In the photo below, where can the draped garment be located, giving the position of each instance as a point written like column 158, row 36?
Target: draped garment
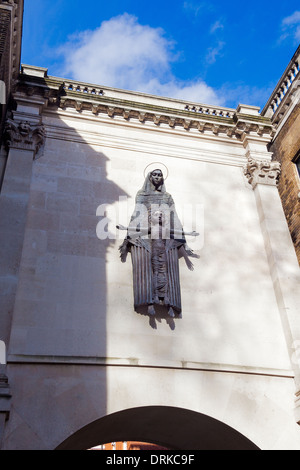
column 143, row 275
column 155, row 261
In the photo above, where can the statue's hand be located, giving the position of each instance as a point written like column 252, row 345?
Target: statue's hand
column 190, row 252
column 121, row 227
column 123, row 251
column 189, row 264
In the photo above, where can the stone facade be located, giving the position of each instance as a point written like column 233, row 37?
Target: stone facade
column 74, row 340
column 83, row 368
column 284, row 109
column 11, row 17
column 286, row 149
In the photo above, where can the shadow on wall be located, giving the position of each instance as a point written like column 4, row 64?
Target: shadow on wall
column 63, row 276
column 160, row 316
column 60, row 307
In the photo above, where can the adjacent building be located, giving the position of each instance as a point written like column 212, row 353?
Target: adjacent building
column 284, row 109
column 11, row 19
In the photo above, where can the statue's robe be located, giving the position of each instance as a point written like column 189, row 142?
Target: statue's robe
column 144, row 292
column 142, row 248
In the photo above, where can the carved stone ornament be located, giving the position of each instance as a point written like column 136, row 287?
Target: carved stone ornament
column 24, row 135
column 156, row 241
column 262, row 172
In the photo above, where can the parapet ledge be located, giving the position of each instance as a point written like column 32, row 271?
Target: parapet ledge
column 249, row 110
column 34, row 71
column 142, row 108
column 284, row 98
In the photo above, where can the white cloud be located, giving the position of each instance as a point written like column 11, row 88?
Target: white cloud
column 125, row 54
column 218, row 25
column 215, row 52
column 241, row 93
column 290, row 26
column 197, row 91
column 119, row 51
column 195, row 7
column 293, row 19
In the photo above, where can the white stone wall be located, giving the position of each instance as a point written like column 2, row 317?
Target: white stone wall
column 72, row 283
column 227, row 356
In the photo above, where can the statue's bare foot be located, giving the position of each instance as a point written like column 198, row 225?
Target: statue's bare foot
column 151, row 310
column 171, row 312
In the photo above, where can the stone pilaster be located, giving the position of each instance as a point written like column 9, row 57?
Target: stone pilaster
column 24, row 136
column 284, row 267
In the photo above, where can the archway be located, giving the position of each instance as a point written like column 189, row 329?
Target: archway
column 174, row 428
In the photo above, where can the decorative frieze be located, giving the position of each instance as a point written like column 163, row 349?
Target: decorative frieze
column 213, row 125
column 146, row 110
column 262, row 172
column 24, row 135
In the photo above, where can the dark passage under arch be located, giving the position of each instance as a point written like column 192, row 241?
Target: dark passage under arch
column 174, row 428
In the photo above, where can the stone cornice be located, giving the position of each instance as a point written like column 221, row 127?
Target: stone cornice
column 145, row 109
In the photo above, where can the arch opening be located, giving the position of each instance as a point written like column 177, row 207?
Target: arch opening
column 172, row 428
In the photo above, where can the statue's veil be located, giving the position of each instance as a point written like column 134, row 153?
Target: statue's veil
column 149, row 187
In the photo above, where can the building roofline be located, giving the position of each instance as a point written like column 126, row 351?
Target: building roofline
column 283, row 85
column 121, row 93
column 144, row 108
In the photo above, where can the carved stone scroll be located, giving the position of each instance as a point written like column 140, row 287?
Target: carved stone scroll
column 24, row 135
column 262, row 172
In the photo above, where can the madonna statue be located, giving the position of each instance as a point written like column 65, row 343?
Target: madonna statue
column 156, row 240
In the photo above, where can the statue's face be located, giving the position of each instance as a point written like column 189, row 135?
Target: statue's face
column 157, row 177
column 157, row 217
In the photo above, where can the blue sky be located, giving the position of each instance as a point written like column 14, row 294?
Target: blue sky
column 211, row 52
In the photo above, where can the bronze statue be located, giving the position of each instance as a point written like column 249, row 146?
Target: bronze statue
column 156, row 240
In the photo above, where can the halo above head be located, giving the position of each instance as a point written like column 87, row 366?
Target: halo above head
column 157, row 166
